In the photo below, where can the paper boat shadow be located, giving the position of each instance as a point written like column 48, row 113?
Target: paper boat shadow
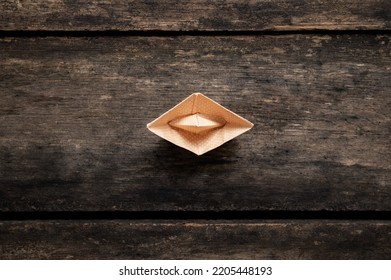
column 166, row 153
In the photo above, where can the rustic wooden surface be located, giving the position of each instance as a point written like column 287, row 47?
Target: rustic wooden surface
column 77, row 162
column 74, row 110
column 195, row 240
column 192, row 15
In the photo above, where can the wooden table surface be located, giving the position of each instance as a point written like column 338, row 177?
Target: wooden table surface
column 82, row 178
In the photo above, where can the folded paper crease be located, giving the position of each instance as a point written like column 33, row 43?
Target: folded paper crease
column 199, row 124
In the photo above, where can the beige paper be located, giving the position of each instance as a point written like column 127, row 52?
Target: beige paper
column 199, row 124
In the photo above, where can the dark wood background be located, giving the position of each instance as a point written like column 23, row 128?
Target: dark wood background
column 82, row 178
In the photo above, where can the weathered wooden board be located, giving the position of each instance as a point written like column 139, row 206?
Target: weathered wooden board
column 73, row 113
column 193, row 15
column 194, row 240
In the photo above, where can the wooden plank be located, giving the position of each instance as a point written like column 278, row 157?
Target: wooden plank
column 172, row 15
column 73, row 113
column 221, row 240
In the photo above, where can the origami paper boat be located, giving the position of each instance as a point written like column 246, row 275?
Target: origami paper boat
column 199, row 124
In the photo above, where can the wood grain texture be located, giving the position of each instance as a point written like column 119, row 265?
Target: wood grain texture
column 172, row 15
column 73, row 113
column 194, row 240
